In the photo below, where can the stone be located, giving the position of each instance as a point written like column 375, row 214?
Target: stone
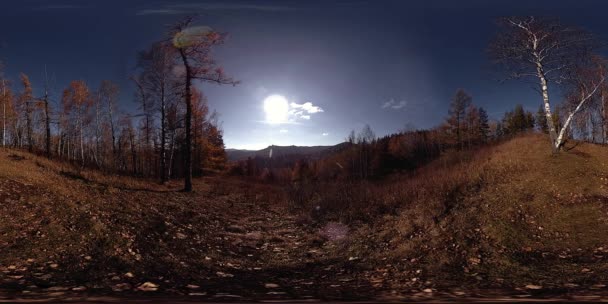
column 271, row 285
column 148, row 286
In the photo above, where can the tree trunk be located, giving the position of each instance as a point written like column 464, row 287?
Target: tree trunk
column 47, row 122
column 81, row 142
column 163, row 158
column 188, row 148
column 545, row 93
column 3, row 114
column 604, row 120
column 28, row 125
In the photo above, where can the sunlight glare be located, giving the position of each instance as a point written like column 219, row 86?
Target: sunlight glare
column 276, row 108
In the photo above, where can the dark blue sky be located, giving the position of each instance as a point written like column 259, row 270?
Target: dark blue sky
column 385, row 63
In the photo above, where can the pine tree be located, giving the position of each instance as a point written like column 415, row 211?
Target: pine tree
column 541, row 120
column 484, row 126
column 458, row 106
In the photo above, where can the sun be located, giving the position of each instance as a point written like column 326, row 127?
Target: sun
column 276, row 108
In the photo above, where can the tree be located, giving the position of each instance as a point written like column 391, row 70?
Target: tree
column 548, row 51
column 158, row 79
column 47, row 117
column 194, row 45
column 541, row 120
column 27, row 103
column 147, row 105
column 472, row 123
column 484, row 126
column 458, row 106
column 76, row 104
column 108, row 94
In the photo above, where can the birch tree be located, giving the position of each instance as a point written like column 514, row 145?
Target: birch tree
column 549, row 53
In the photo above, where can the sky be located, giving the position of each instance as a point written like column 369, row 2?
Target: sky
column 329, row 66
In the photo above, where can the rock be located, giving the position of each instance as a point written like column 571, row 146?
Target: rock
column 427, row 290
column 79, row 288
column 88, row 258
column 224, row 275
column 197, row 294
column 148, row 286
column 235, row 229
column 129, row 275
column 192, row 286
column 271, row 285
column 121, row 287
column 533, row 287
column 54, row 265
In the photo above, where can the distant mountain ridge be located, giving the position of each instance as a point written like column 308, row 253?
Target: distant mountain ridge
column 312, row 152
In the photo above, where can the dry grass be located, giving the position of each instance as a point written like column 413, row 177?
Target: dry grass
column 503, row 216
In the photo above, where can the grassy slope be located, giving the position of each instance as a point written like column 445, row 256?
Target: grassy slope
column 510, row 216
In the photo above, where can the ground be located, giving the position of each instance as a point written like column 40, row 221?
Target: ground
column 510, row 221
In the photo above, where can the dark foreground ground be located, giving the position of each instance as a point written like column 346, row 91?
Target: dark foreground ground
column 502, row 232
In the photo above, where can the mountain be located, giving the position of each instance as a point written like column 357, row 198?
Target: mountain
column 291, row 152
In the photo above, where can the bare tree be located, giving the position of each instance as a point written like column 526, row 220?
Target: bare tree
column 549, row 52
column 27, row 100
column 158, row 79
column 586, row 81
column 47, row 116
column 108, row 94
column 194, row 45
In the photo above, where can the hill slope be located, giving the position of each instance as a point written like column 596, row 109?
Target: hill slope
column 508, row 219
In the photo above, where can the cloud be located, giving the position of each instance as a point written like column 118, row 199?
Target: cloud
column 190, row 8
column 307, row 107
column 325, row 134
column 283, row 131
column 302, row 111
column 392, row 104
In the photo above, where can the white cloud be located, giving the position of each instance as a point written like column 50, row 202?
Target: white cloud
column 303, row 111
column 283, row 131
column 325, row 134
column 394, row 104
column 307, row 107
